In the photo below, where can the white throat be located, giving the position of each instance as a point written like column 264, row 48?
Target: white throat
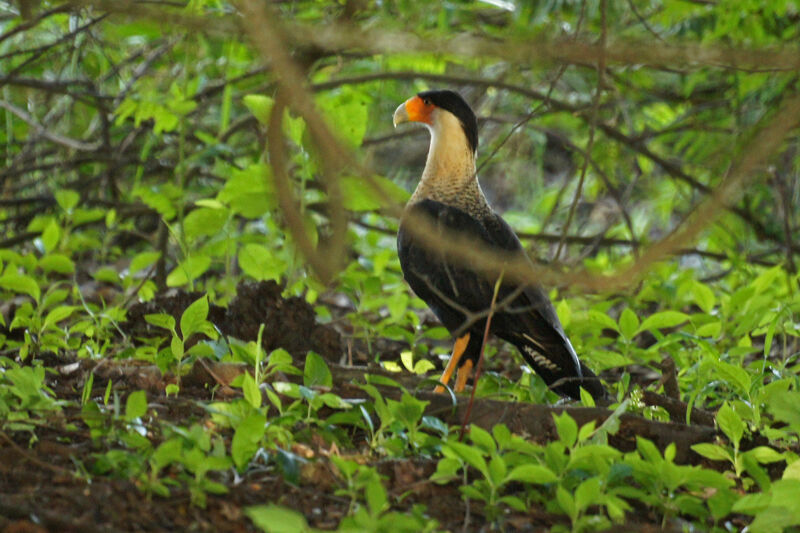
column 450, row 172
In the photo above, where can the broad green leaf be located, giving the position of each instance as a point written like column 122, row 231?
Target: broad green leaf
column 566, row 501
column 766, row 455
column 481, row 437
column 730, row 423
column 260, row 106
column 375, row 494
column 587, row 493
column 531, row 473
column 188, row 270
column 712, row 451
column 67, row 199
column 167, row 452
column 564, row 313
column 369, row 194
column 50, row 236
column 602, row 320
column 58, row 263
column 161, row 320
column 204, row 221
column 471, row 455
column 316, row 372
column 247, row 439
column 628, row 323
column 735, row 376
column 249, row 191
column 251, row 391
column 346, row 111
column 22, row 284
column 177, row 348
column 261, row 263
column 703, row 296
column 194, row 317
column 792, row 471
column 497, row 470
column 58, row 314
column 136, row 405
column 277, row 519
column 663, row 319
column 567, row 428
column 143, row 260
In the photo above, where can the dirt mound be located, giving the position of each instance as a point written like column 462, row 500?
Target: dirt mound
column 289, row 323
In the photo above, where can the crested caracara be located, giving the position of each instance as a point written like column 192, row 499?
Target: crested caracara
column 451, row 198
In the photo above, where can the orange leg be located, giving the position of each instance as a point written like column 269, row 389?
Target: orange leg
column 458, row 350
column 463, row 375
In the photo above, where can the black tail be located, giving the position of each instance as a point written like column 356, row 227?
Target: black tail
column 556, row 366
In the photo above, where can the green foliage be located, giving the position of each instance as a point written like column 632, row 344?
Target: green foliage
column 193, row 320
column 139, row 163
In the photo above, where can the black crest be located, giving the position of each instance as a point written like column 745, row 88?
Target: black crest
column 453, row 102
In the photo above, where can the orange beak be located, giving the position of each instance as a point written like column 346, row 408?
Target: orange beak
column 413, row 110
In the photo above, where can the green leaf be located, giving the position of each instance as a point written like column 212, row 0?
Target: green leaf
column 276, row 519
column 567, row 428
column 369, row 194
column 792, row 471
column 766, row 455
column 664, row 319
column 603, row 320
column 346, row 111
column 730, row 423
column 712, row 451
column 703, row 296
column 136, row 405
column 50, row 236
column 628, row 323
column 260, row 106
column 249, row 191
column 261, row 263
column 58, row 314
column 143, row 260
column 565, row 501
column 247, row 438
column 22, row 284
column 471, row 455
column 564, row 313
column 587, row 493
column 194, row 317
column 497, row 470
column 204, row 221
column 167, row 452
column 375, row 495
column 531, row 473
column 176, row 346
column 188, row 270
column 446, row 470
column 161, row 320
column 251, row 391
column 58, row 263
column 481, row 437
column 316, row 372
column 407, row 358
column 734, row 375
column 67, row 199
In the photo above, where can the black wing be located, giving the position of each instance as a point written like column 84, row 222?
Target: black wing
column 460, row 296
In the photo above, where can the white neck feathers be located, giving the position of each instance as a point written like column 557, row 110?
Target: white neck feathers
column 450, row 172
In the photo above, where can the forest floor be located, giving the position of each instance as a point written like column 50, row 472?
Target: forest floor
column 45, row 484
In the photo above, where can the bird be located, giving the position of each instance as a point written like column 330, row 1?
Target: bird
column 459, row 293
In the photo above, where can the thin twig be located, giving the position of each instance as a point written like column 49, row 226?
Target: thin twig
column 478, row 366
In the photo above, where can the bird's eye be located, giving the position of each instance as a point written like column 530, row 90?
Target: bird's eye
column 426, row 101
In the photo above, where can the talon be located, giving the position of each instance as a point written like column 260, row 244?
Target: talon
column 464, row 372
column 458, row 350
